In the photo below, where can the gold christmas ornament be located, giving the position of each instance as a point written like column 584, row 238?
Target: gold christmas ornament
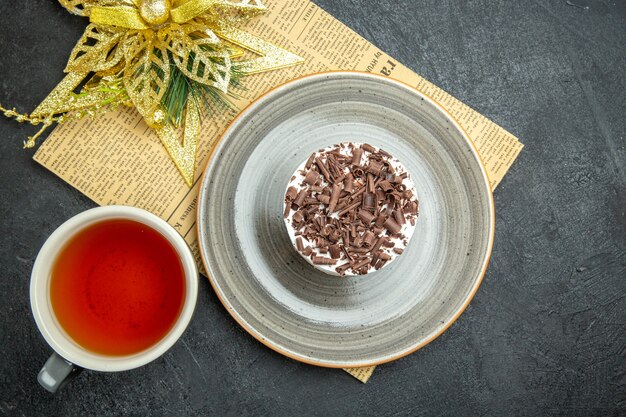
column 140, row 51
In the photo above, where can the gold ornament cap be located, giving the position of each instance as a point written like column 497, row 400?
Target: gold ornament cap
column 155, row 12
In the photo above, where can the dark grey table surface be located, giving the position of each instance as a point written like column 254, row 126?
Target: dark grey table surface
column 545, row 334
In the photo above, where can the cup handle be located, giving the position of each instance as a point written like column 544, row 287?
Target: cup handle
column 57, row 372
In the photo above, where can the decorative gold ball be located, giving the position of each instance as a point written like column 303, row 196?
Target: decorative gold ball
column 155, row 12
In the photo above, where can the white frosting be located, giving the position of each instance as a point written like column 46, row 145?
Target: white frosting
column 406, row 231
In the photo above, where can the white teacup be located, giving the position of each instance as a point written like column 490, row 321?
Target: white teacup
column 69, row 356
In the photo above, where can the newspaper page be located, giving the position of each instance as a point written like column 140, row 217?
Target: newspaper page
column 115, row 158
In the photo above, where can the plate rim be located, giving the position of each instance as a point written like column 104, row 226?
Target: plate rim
column 329, row 364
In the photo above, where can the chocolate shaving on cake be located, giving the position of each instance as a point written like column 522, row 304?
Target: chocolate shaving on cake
column 392, row 226
column 298, row 217
column 291, row 193
column 334, row 197
column 369, row 201
column 300, row 198
column 369, row 148
column 322, row 260
column 309, row 161
column 366, row 217
column 343, row 268
column 311, row 177
column 357, row 154
column 384, row 256
column 322, row 167
column 348, row 183
column 399, row 216
column 358, row 265
column 350, row 208
column 380, row 220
